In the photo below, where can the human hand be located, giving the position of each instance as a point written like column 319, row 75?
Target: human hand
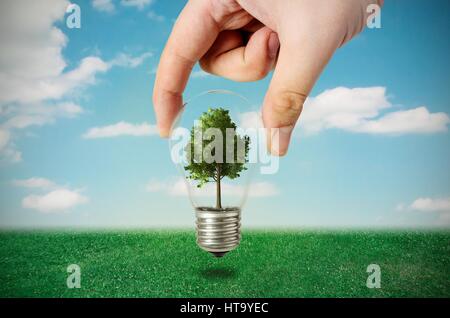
column 296, row 37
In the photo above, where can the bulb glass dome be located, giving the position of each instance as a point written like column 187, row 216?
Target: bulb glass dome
column 213, row 144
column 234, row 187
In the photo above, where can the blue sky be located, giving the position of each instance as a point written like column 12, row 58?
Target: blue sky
column 382, row 172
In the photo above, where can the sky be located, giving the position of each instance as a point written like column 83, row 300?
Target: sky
column 79, row 146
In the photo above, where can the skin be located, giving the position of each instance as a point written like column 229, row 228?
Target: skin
column 243, row 40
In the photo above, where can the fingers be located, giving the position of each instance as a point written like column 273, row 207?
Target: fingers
column 229, row 57
column 253, row 26
column 193, row 34
column 299, row 65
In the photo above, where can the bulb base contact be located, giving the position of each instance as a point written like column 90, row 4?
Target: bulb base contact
column 218, row 230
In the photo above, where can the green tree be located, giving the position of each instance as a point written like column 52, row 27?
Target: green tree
column 213, row 142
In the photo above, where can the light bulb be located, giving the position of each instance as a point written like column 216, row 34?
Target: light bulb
column 211, row 143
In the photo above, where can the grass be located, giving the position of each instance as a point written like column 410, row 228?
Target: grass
column 267, row 264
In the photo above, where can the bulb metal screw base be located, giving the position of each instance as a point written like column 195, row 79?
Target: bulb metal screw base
column 218, row 230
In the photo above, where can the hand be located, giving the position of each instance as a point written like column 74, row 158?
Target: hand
column 296, row 37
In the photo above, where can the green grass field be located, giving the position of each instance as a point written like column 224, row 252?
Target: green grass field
column 267, row 264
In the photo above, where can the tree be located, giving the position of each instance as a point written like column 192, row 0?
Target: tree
column 213, row 142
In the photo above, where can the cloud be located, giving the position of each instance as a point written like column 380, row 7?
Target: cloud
column 31, row 114
column 11, row 155
column 152, row 15
column 262, row 189
column 140, row 4
column 37, row 86
column 59, row 200
column 431, row 205
column 33, row 68
column 28, row 90
column 109, row 7
column 8, row 152
column 39, row 114
column 126, row 60
column 4, row 138
column 437, row 206
column 34, row 182
column 104, row 5
column 177, row 187
column 121, row 129
column 367, row 110
column 31, row 44
column 412, row 121
column 153, row 70
column 33, row 72
column 250, row 119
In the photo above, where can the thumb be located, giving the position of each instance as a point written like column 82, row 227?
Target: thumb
column 299, row 65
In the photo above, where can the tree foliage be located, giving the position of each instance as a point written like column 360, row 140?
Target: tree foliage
column 209, row 157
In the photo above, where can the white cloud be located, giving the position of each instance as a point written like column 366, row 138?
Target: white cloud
column 140, row 4
column 34, row 182
column 153, row 70
column 431, row 205
column 8, row 153
column 4, row 138
column 152, row 15
column 33, row 75
column 250, row 120
column 59, row 200
column 31, row 114
column 22, row 90
column 262, row 189
column 32, row 67
column 31, row 44
column 412, row 121
column 68, row 109
column 36, row 84
column 366, row 110
column 109, row 7
column 177, row 187
column 437, row 206
column 121, row 129
column 39, row 114
column 126, row 60
column 104, row 5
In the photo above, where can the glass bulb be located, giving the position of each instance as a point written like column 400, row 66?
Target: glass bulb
column 211, row 144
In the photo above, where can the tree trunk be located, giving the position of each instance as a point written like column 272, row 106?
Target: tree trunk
column 218, row 194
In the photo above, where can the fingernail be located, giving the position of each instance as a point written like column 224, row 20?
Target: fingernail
column 274, row 45
column 280, row 139
column 163, row 132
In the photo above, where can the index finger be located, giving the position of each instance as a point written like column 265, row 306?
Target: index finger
column 193, row 34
